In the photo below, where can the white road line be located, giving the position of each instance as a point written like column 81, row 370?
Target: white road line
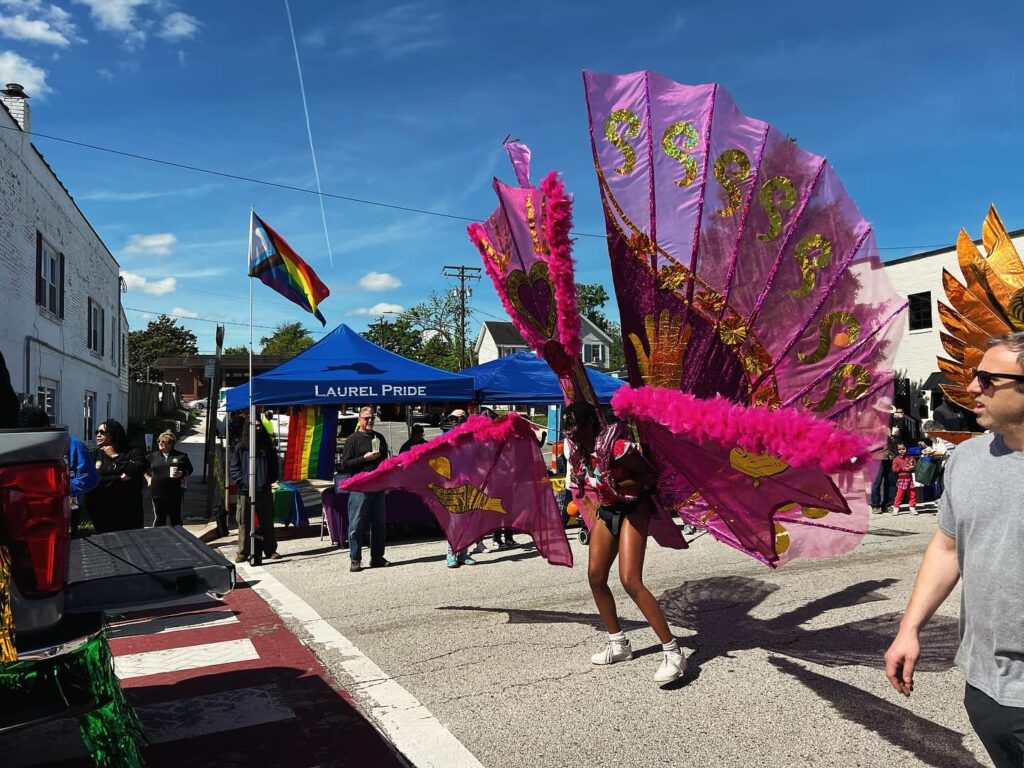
column 162, row 624
column 184, row 658
column 407, row 723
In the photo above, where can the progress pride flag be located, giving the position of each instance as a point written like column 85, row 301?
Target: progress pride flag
column 481, row 476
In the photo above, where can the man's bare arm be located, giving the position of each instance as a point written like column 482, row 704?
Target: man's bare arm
column 936, row 578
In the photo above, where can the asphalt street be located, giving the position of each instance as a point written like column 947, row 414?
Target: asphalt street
column 785, row 666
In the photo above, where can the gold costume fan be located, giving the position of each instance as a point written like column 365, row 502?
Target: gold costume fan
column 990, row 304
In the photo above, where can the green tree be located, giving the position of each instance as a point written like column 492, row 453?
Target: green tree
column 163, row 337
column 287, row 339
column 236, row 351
column 437, row 321
column 398, row 336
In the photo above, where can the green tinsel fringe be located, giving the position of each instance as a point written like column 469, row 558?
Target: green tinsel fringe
column 111, row 730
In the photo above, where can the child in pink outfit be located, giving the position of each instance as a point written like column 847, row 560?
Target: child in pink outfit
column 903, row 467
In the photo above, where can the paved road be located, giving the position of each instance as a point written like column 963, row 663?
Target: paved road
column 786, row 666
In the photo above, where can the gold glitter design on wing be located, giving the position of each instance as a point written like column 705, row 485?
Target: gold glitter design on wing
column 466, row 498
column 611, row 133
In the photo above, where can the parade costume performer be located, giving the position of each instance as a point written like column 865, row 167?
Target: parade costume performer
column 760, row 327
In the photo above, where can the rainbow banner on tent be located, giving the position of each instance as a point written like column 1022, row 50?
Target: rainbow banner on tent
column 312, row 440
column 277, row 266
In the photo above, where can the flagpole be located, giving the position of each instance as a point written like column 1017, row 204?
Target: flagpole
column 255, row 541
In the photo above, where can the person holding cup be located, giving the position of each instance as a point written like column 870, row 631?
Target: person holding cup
column 168, row 469
column 364, row 450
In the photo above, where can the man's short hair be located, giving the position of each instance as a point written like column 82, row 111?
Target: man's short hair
column 1015, row 343
column 417, row 429
column 366, row 408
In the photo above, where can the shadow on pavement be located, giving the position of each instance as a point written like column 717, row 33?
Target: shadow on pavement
column 931, row 743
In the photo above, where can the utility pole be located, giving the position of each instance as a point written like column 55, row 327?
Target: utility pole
column 464, row 273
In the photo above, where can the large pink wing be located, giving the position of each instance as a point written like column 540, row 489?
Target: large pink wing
column 481, row 476
column 743, row 270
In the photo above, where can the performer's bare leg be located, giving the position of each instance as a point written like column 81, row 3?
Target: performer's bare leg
column 632, row 548
column 603, row 550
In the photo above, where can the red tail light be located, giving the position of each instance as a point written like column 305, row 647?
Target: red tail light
column 35, row 514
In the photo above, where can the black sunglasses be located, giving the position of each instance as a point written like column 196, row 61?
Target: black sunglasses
column 986, row 379
column 101, row 431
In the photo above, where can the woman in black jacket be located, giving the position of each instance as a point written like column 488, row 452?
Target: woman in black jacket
column 116, row 503
column 168, row 469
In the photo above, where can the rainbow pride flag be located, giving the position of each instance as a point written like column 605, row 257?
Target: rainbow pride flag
column 274, row 262
column 312, row 440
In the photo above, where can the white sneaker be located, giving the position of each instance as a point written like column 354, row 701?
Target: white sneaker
column 672, row 667
column 613, row 652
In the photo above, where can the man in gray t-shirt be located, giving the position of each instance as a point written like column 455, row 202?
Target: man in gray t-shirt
column 981, row 537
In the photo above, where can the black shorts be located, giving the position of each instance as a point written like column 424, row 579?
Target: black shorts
column 612, row 514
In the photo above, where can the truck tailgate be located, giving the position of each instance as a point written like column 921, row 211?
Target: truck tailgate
column 125, row 568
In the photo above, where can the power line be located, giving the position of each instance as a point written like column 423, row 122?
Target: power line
column 208, row 319
column 333, row 196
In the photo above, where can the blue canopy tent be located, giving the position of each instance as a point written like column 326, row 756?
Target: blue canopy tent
column 343, row 367
column 523, row 378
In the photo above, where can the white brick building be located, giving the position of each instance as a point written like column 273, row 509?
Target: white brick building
column 63, row 331
column 919, row 279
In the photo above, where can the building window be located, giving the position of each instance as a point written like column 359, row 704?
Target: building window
column 46, row 398
column 95, row 327
column 49, row 277
column 89, row 416
column 593, row 353
column 920, row 310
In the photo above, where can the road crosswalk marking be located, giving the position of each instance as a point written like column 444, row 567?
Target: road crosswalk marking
column 184, row 658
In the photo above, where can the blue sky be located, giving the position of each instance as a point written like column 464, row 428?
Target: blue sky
column 918, row 105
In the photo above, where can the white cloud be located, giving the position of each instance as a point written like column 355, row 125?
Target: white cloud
column 151, row 245
column 153, row 287
column 118, row 16
column 15, row 69
column 178, row 26
column 378, row 309
column 182, row 312
column 399, row 30
column 181, row 58
column 116, row 196
column 105, row 73
column 20, row 27
column 379, row 281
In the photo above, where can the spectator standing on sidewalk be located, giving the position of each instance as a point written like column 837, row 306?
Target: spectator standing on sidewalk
column 364, row 450
column 981, row 527
column 168, row 469
column 903, row 467
column 415, row 438
column 116, row 503
column 267, row 473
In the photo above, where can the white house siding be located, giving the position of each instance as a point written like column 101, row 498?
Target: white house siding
column 38, row 345
column 916, row 274
column 486, row 349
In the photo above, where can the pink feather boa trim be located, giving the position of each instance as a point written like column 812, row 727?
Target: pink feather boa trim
column 477, row 429
column 797, row 438
column 557, row 225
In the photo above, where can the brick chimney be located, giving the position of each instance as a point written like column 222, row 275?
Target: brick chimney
column 16, row 101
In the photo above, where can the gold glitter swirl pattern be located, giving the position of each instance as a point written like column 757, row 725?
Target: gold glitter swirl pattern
column 731, row 169
column 846, row 337
column 679, row 152
column 611, row 133
column 663, row 367
column 465, row 498
column 810, row 262
column 1015, row 309
column 861, row 381
column 774, row 207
